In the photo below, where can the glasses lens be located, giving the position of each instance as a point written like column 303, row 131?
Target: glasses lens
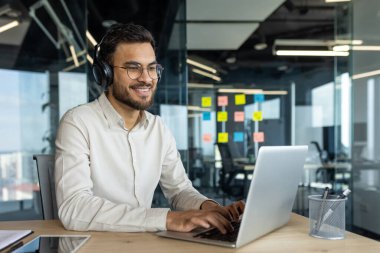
column 152, row 71
column 134, row 71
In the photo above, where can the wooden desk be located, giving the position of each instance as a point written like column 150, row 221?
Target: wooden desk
column 291, row 238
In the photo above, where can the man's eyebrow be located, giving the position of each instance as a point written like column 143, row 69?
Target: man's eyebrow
column 138, row 63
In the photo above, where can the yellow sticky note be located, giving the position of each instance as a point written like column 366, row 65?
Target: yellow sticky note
column 222, row 117
column 240, row 99
column 206, row 101
column 222, row 137
column 257, row 116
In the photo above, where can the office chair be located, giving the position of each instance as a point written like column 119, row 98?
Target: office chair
column 228, row 182
column 45, row 169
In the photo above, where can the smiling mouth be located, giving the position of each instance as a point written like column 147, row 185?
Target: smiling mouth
column 142, row 91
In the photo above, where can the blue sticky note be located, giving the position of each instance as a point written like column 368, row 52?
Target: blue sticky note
column 238, row 136
column 206, row 115
column 259, row 98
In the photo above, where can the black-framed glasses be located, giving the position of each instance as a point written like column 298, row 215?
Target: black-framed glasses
column 134, row 71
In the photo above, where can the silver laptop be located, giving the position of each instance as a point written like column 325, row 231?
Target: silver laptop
column 270, row 198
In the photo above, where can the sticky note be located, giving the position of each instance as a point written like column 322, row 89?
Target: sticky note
column 222, row 100
column 222, row 137
column 258, row 137
column 239, row 116
column 206, row 101
column 238, row 136
column 240, row 99
column 222, row 117
column 206, row 115
column 259, row 98
column 257, row 116
column 207, row 138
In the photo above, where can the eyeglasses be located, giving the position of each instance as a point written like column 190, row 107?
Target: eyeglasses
column 134, row 71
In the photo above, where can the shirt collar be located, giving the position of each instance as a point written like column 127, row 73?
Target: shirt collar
column 113, row 117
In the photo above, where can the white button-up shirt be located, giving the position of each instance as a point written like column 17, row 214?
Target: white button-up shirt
column 106, row 175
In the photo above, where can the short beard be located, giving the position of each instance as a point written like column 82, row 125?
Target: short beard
column 123, row 96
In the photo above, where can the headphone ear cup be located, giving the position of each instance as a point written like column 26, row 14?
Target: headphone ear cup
column 108, row 74
column 103, row 73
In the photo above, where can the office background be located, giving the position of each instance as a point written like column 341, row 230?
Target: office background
column 213, row 51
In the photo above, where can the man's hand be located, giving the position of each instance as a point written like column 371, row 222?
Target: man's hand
column 234, row 210
column 210, row 215
column 185, row 221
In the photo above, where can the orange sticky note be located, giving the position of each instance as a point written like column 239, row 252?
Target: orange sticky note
column 239, row 116
column 258, row 137
column 222, row 100
column 257, row 116
column 222, row 137
column 207, row 138
column 206, row 101
column 240, row 99
column 222, row 117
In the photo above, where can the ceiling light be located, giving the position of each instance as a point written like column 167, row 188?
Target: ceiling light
column 336, row 1
column 74, row 55
column 356, row 48
column 89, row 58
column 200, row 65
column 9, row 26
column 260, row 46
column 352, row 42
column 200, row 85
column 282, row 68
column 366, row 74
column 366, row 48
column 71, row 67
column 245, row 91
column 310, row 53
column 254, row 91
column 203, row 73
column 231, row 59
column 91, row 38
column 303, row 42
column 341, row 48
column 197, row 108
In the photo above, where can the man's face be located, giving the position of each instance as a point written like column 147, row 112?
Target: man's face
column 137, row 94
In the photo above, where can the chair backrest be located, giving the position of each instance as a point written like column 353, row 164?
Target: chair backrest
column 45, row 169
column 225, row 154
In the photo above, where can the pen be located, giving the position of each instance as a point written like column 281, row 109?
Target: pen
column 335, row 205
column 321, row 210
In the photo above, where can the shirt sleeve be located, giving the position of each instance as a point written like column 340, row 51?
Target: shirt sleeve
column 174, row 182
column 78, row 208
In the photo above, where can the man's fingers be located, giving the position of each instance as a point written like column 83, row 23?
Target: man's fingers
column 220, row 222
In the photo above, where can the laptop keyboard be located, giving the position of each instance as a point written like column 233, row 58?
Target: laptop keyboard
column 215, row 234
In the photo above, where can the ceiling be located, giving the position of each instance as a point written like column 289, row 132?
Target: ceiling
column 220, row 33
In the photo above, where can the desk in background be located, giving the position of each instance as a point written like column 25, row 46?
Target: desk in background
column 291, row 238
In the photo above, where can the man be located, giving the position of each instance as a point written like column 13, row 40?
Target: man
column 111, row 153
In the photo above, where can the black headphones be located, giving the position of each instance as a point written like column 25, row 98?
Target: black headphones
column 102, row 71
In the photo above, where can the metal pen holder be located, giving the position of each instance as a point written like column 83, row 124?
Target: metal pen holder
column 327, row 217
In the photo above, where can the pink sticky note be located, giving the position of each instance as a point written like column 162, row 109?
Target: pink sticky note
column 207, row 138
column 258, row 137
column 239, row 116
column 222, row 100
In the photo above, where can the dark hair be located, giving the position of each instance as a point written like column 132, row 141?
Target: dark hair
column 122, row 33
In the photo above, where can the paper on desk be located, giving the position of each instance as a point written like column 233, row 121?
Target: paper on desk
column 8, row 237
